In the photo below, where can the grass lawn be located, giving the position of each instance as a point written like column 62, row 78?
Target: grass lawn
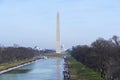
column 55, row 55
column 15, row 63
column 79, row 72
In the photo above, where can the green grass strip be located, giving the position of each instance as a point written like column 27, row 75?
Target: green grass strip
column 56, row 55
column 80, row 72
column 5, row 66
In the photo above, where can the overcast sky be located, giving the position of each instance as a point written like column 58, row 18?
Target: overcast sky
column 33, row 22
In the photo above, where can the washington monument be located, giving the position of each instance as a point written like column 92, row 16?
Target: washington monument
column 58, row 50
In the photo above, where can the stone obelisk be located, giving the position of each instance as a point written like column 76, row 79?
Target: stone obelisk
column 58, row 50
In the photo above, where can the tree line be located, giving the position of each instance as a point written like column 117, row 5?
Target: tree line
column 102, row 56
column 10, row 54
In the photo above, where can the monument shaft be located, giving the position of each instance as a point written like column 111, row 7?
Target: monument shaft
column 58, row 34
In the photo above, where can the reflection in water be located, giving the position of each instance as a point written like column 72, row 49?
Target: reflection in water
column 42, row 69
column 58, row 69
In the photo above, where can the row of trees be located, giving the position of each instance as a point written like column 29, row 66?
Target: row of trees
column 102, row 56
column 47, row 51
column 10, row 54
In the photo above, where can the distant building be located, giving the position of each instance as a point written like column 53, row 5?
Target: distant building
column 37, row 48
column 62, row 48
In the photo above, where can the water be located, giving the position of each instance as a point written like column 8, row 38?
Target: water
column 44, row 69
